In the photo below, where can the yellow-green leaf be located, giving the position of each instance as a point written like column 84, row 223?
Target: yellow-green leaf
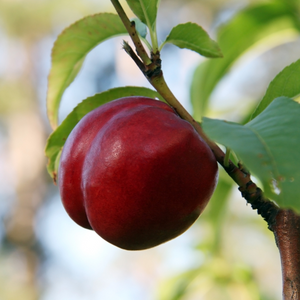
column 70, row 50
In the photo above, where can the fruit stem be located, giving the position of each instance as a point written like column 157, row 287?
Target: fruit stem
column 130, row 27
column 154, row 39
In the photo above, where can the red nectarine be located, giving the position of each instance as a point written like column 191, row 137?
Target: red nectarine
column 136, row 173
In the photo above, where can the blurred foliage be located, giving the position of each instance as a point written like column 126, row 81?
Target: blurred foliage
column 254, row 24
column 23, row 25
column 16, row 95
column 217, row 278
column 33, row 18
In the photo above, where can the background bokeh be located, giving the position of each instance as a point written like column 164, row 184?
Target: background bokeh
column 228, row 254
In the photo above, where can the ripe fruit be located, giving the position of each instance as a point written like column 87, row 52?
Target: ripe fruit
column 136, row 173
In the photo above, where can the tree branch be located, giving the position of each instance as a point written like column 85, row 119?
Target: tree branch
column 287, row 235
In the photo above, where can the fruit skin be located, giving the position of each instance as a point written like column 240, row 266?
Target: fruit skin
column 136, row 173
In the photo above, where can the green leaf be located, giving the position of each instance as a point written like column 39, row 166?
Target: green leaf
column 286, row 83
column 58, row 138
column 269, row 146
column 250, row 26
column 193, row 37
column 70, row 50
column 145, row 10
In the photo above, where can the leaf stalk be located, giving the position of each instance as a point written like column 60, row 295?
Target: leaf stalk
column 226, row 159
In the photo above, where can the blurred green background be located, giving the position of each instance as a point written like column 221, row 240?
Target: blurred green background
column 229, row 253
